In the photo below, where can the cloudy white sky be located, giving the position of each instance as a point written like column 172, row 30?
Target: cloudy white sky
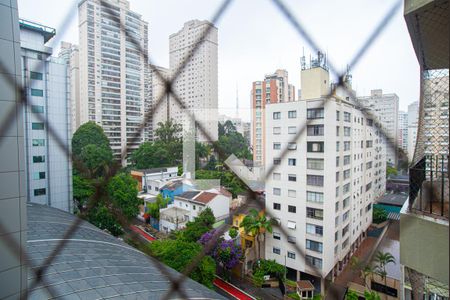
column 255, row 39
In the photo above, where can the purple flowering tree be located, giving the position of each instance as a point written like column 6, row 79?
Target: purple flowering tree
column 227, row 254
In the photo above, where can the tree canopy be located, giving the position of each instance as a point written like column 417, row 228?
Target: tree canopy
column 201, row 224
column 87, row 134
column 122, row 191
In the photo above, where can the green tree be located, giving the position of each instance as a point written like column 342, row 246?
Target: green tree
column 379, row 215
column 168, row 131
column 233, row 143
column 154, row 208
column 178, row 254
column 351, row 295
column 229, row 127
column 256, row 225
column 96, row 159
column 233, row 233
column 82, row 191
column 227, row 179
column 122, row 191
column 101, row 217
column 87, row 134
column 391, row 171
column 371, row 295
column 201, row 224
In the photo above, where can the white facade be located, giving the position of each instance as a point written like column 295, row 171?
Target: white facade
column 191, row 204
column 385, row 108
column 197, row 84
column 49, row 168
column 403, row 130
column 322, row 192
column 70, row 54
column 157, row 89
column 413, row 121
column 112, row 71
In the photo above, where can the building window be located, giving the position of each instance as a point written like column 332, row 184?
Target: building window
column 345, row 230
column 315, row 146
column 291, row 225
column 313, row 261
column 347, row 117
column 337, row 115
column 315, row 113
column 277, row 206
column 292, row 161
column 276, row 161
column 276, row 146
column 292, row 177
column 346, row 174
column 346, row 146
column 277, row 191
column 292, row 209
column 276, row 250
column 314, row 163
column 292, row 130
column 314, row 229
column 38, row 109
column 35, row 75
column 39, row 192
column 345, row 244
column 347, row 159
column 276, row 236
column 347, row 131
column 337, row 130
column 38, row 175
column 277, row 130
column 292, row 146
column 369, row 144
column 368, row 186
column 346, row 188
column 345, row 215
column 277, row 115
column 314, row 180
column 314, row 197
column 292, row 193
column 337, row 161
column 291, row 255
column 37, row 92
column 314, row 213
column 291, row 239
column 337, row 146
column 346, row 202
column 314, row 246
column 276, row 176
column 37, row 126
column 337, row 176
column 292, row 114
column 38, row 159
column 38, row 142
column 314, row 130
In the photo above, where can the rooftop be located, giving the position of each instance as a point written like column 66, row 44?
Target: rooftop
column 205, row 197
column 94, row 264
column 46, row 31
column 189, row 194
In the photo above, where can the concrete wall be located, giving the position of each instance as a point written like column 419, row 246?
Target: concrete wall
column 12, row 168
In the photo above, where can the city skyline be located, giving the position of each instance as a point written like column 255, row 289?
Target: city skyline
column 239, row 44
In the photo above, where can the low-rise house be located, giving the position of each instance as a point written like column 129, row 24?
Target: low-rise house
column 151, row 180
column 188, row 205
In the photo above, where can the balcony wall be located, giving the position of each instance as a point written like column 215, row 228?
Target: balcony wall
column 424, row 244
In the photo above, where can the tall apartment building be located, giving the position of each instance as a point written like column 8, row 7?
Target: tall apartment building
column 413, row 121
column 322, row 192
column 197, row 84
column 275, row 88
column 402, row 136
column 385, row 108
column 49, row 168
column 157, row 89
column 112, row 71
column 70, row 54
column 13, row 196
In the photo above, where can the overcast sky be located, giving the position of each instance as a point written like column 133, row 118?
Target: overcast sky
column 255, row 39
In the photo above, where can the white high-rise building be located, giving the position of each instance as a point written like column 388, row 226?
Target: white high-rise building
column 48, row 165
column 112, row 71
column 413, row 118
column 157, row 89
column 70, row 54
column 402, row 137
column 197, row 84
column 385, row 108
column 321, row 192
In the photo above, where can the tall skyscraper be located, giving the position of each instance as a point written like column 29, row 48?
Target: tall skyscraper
column 326, row 216
column 70, row 54
column 413, row 121
column 112, row 71
column 49, row 168
column 385, row 108
column 197, row 84
column 275, row 88
column 402, row 137
column 157, row 89
column 13, row 198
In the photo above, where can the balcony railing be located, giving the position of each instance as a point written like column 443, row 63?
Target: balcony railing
column 429, row 187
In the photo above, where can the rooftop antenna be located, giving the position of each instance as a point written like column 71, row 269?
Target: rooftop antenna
column 302, row 60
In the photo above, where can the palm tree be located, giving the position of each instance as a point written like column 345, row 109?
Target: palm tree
column 256, row 225
column 383, row 259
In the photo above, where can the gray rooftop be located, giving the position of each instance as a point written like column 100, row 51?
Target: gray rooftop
column 393, row 199
column 189, row 194
column 94, row 264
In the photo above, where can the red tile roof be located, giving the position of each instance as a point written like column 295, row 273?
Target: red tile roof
column 205, row 197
